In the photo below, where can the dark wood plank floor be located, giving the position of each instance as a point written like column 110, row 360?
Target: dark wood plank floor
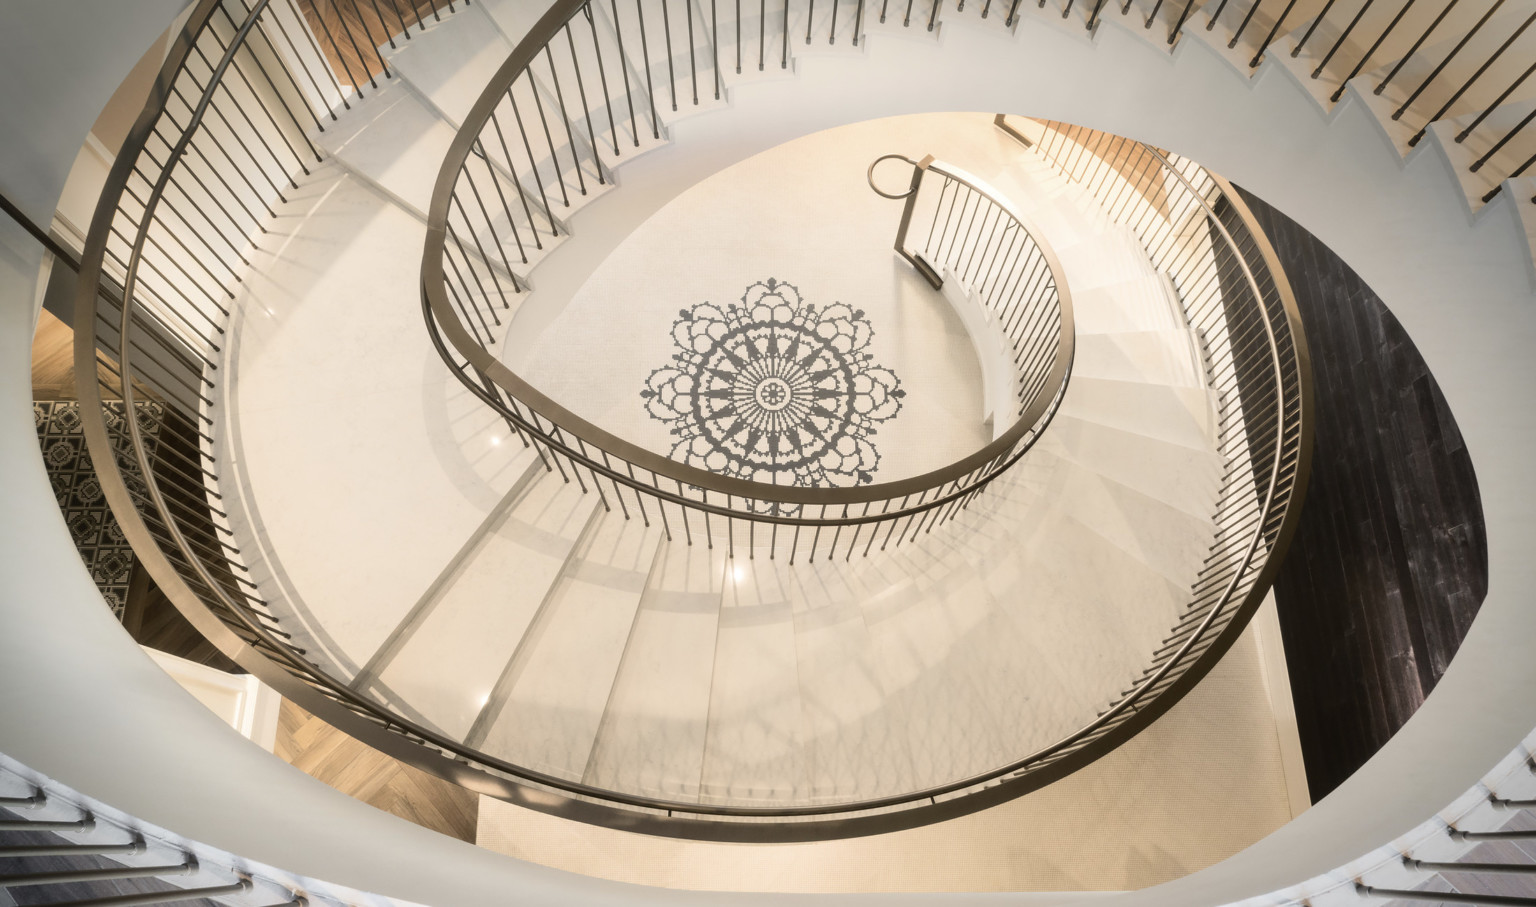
column 1390, row 562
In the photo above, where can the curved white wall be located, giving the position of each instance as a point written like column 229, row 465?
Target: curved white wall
column 83, row 704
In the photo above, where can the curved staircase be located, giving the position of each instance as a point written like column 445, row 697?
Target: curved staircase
column 1501, row 291
column 501, row 603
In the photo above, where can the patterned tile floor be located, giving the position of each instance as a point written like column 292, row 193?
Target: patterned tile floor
column 61, row 435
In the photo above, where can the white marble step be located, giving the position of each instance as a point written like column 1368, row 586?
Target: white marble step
column 1182, row 477
column 1136, row 304
column 1153, row 21
column 905, row 19
column 754, row 747
column 652, row 735
column 1502, row 124
column 451, row 63
column 561, row 688
column 990, row 15
column 533, row 470
column 395, row 141
column 1113, row 257
column 668, row 57
column 913, row 698
column 335, row 538
column 1167, row 539
column 449, row 670
column 1151, row 357
column 512, row 17
column 450, row 68
column 753, row 48
column 1123, row 608
column 1177, row 415
column 831, row 31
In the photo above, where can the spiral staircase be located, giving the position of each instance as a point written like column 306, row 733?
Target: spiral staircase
column 1128, row 323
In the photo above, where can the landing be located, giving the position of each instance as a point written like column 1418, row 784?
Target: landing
column 787, row 254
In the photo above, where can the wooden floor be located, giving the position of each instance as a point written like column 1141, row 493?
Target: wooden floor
column 364, row 773
column 1390, row 562
column 349, row 32
column 1139, row 169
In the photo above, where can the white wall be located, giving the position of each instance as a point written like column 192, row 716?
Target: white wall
column 83, row 704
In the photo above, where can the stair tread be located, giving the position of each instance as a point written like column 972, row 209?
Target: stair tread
column 1180, row 476
column 396, row 142
column 448, row 670
column 652, row 736
column 551, row 717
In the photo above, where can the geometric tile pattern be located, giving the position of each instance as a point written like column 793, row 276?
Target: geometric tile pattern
column 97, row 536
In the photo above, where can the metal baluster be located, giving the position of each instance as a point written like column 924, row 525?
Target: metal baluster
column 602, row 79
column 693, row 65
column 400, row 17
column 352, row 39
column 714, row 45
column 340, row 57
column 1415, row 48
column 318, row 52
column 1475, row 76
column 586, row 108
column 1173, row 33
column 291, row 80
column 1311, row 28
column 549, row 141
column 522, row 195
column 389, row 37
column 1519, row 171
column 1269, row 38
column 629, row 94
column 1407, row 4
column 1462, row 135
column 1364, row 7
column 1398, row 113
column 645, row 57
column 784, row 52
column 532, row 165
column 565, row 117
column 666, row 31
column 1211, row 22
column 464, row 172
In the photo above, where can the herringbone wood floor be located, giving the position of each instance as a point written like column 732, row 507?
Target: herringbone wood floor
column 366, row 774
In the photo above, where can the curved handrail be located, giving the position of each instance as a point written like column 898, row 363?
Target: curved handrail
column 645, row 474
column 174, row 521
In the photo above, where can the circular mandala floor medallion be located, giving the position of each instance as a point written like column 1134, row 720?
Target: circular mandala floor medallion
column 775, row 390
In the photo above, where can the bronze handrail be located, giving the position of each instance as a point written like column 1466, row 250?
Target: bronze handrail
column 963, row 476
column 190, row 569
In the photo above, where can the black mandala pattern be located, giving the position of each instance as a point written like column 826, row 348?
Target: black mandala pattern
column 775, row 390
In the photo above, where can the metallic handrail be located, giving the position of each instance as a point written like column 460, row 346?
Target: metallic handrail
column 557, row 431
column 149, row 345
